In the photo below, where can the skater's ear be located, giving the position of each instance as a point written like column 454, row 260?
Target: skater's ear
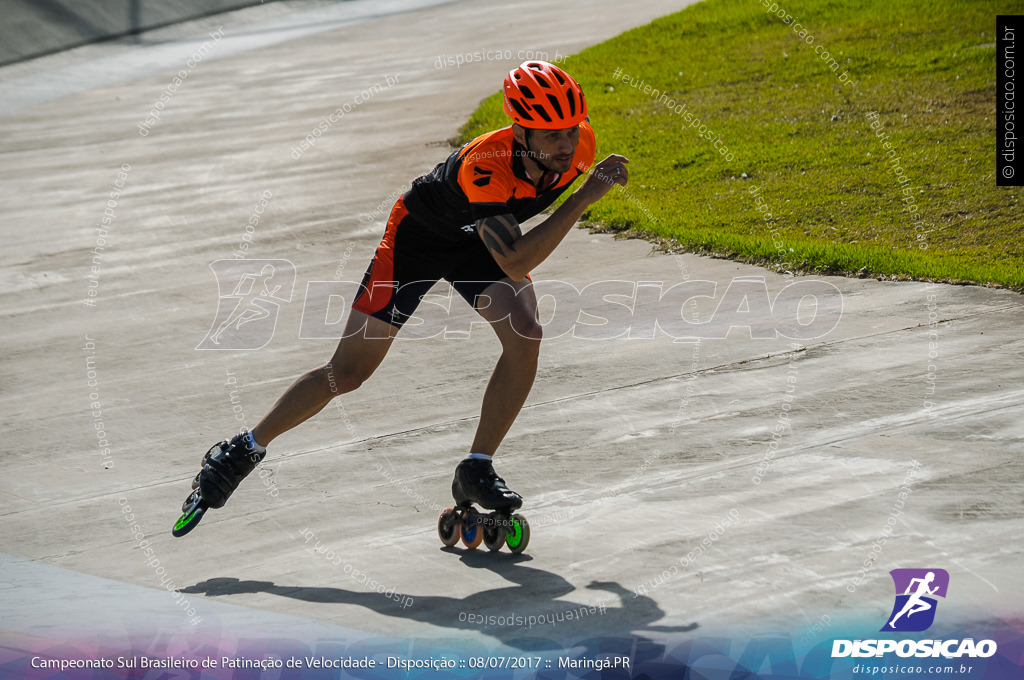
column 521, row 135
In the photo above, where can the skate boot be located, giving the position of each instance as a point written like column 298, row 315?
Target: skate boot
column 224, row 467
column 477, row 482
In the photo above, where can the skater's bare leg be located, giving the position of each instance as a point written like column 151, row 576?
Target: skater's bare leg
column 359, row 353
column 514, row 320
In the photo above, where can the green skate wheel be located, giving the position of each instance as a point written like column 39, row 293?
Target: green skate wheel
column 188, row 520
column 470, row 529
column 448, row 527
column 518, row 535
column 494, row 536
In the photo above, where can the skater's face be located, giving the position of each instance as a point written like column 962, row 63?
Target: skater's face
column 553, row 148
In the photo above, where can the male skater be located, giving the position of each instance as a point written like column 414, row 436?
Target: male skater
column 460, row 222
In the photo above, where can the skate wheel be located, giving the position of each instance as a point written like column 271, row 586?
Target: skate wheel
column 470, row 529
column 189, row 519
column 191, row 501
column 518, row 534
column 494, row 536
column 448, row 527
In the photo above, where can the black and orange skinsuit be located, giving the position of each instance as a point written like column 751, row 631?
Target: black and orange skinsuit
column 430, row 233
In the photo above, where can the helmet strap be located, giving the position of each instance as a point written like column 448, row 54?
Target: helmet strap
column 532, row 155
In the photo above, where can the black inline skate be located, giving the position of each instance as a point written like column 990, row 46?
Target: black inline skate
column 224, row 467
column 477, row 482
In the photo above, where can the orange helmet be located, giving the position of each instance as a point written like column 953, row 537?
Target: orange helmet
column 541, row 96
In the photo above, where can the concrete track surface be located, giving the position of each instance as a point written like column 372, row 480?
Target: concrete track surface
column 652, row 487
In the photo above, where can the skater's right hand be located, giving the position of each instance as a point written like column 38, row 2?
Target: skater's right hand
column 602, row 177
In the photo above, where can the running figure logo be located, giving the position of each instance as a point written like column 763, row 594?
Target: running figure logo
column 914, row 610
column 250, row 293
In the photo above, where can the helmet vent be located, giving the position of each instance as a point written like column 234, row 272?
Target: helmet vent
column 555, row 105
column 520, row 111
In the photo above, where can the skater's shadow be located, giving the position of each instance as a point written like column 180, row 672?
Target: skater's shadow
column 527, row 615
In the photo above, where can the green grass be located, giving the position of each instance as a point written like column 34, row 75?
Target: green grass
column 805, row 139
